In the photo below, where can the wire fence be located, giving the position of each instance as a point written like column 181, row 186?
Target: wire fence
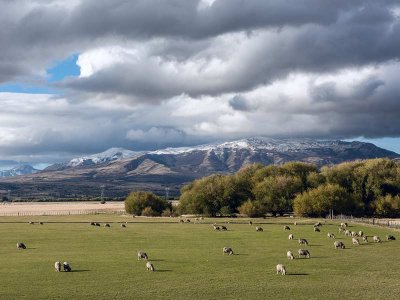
column 391, row 223
column 60, row 213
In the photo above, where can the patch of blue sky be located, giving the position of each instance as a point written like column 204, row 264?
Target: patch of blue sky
column 63, row 68
column 21, row 87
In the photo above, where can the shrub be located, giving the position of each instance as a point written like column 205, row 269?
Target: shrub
column 136, row 202
column 251, row 209
column 166, row 212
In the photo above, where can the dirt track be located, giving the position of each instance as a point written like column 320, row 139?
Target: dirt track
column 59, row 208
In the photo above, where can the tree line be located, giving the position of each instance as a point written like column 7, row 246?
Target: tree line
column 359, row 188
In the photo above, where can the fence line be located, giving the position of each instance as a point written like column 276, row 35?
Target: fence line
column 60, row 213
column 391, row 223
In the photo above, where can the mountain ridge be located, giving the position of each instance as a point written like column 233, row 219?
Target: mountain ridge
column 121, row 170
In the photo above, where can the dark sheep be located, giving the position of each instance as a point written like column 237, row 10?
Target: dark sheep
column 67, row 267
column 303, row 252
column 142, row 255
column 227, row 250
column 223, row 228
column 390, row 237
column 21, row 246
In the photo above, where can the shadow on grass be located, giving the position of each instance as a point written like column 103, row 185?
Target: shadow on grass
column 297, row 274
column 314, row 245
column 161, row 271
column 242, row 254
column 75, row 271
column 157, row 260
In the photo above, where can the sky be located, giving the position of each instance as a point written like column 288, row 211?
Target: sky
column 78, row 77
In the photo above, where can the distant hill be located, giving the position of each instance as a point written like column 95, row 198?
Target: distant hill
column 19, row 170
column 122, row 170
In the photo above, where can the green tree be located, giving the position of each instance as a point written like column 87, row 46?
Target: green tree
column 251, row 209
column 136, row 202
column 275, row 194
column 317, row 202
column 388, row 206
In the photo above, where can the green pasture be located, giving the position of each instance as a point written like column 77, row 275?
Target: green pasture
column 189, row 262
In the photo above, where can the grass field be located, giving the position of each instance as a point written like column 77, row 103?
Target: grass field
column 189, row 261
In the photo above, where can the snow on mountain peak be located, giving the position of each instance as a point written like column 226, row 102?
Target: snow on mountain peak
column 109, row 155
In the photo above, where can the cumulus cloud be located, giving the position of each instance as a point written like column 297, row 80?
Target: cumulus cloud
column 181, row 72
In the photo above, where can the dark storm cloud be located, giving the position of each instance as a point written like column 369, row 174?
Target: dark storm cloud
column 171, row 73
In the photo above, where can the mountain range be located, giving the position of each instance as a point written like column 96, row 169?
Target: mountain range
column 121, row 171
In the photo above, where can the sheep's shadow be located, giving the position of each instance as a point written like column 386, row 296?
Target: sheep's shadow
column 314, row 245
column 243, row 254
column 161, row 271
column 75, row 271
column 297, row 274
column 157, row 260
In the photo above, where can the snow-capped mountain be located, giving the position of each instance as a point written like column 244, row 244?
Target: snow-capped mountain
column 19, row 170
column 122, row 171
column 107, row 156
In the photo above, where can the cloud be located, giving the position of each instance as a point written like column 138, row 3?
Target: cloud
column 181, row 72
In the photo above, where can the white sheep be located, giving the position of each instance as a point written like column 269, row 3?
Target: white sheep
column 341, row 230
column 142, row 255
column 365, row 238
column 303, row 252
column 330, row 235
column 295, row 223
column 353, row 233
column 344, row 225
column 303, row 242
column 227, row 250
column 355, row 241
column 149, row 266
column 21, row 246
column 289, row 255
column 217, row 227
column 338, row 245
column 360, row 233
column 67, row 267
column 376, row 239
column 390, row 237
column 280, row 269
column 259, row 229
column 57, row 266
column 291, row 237
column 347, row 233
column 316, row 229
column 318, row 224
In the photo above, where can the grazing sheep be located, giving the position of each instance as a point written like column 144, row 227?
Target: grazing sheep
column 355, row 241
column 360, row 233
column 227, row 250
column 92, row 224
column 188, row 221
column 338, row 245
column 223, row 228
column 286, row 227
column 295, row 223
column 31, row 223
column 40, row 223
column 289, row 255
column 21, row 246
column 303, row 252
column 57, row 266
column 107, row 225
column 67, row 267
column 354, row 233
column 291, row 237
column 376, row 239
column 365, row 238
column 280, row 269
column 149, row 266
column 316, row 229
column 259, row 229
column 344, row 225
column 318, row 224
column 97, row 224
column 142, row 255
column 341, row 230
column 181, row 221
column 347, row 233
column 123, row 225
column 250, row 223
column 303, row 242
column 330, row 235
column 216, row 227
column 390, row 237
